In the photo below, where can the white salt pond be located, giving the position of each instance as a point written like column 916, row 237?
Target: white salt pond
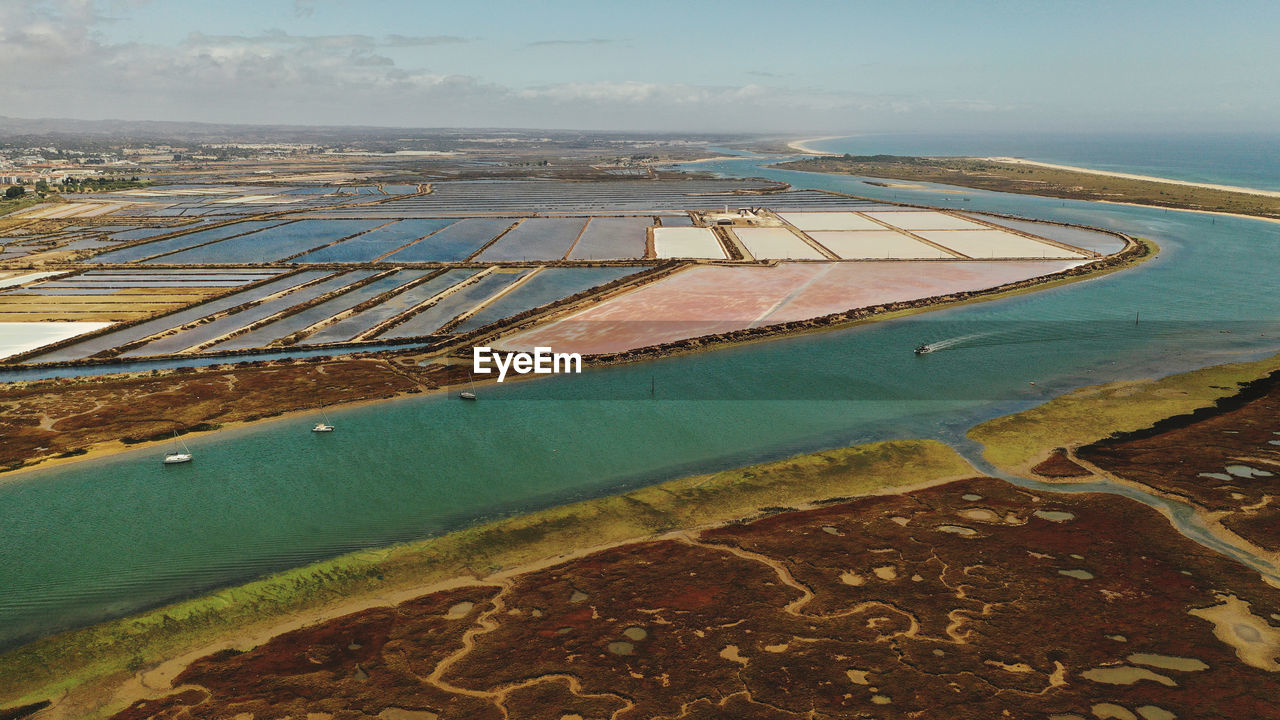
column 830, row 221
column 686, row 242
column 775, row 243
column 924, row 220
column 25, row 278
column 876, row 245
column 19, row 337
column 989, row 244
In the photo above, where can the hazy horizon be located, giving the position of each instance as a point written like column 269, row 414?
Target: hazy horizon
column 804, row 69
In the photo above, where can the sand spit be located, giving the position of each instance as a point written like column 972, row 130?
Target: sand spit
column 804, row 147
column 1132, row 176
column 1192, row 210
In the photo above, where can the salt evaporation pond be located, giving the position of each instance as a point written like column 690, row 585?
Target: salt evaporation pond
column 99, row 539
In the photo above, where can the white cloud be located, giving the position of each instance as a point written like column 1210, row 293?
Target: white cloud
column 569, row 43
column 279, row 77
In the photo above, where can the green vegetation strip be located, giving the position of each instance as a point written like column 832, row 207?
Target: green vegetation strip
column 1033, row 180
column 99, row 656
column 13, row 205
column 1092, row 413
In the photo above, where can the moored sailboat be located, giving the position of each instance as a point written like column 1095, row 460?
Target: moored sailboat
column 469, row 394
column 323, row 427
column 175, row 457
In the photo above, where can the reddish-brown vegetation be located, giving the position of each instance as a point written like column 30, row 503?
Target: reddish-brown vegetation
column 974, row 599
column 55, row 417
column 1058, row 465
column 1210, row 457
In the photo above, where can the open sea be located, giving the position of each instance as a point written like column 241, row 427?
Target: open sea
column 1251, row 160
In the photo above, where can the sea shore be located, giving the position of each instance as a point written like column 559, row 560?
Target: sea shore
column 805, row 147
column 1219, row 213
column 1026, row 177
column 1134, row 176
column 96, row 670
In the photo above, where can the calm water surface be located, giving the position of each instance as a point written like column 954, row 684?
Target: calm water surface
column 1249, row 160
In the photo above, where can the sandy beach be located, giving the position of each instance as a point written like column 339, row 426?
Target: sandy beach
column 1131, row 176
column 1190, row 210
column 803, row 145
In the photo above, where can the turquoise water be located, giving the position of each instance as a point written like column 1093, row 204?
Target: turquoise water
column 99, row 539
column 1251, row 160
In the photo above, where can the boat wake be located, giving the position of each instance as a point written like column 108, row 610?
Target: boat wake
column 1078, row 332
column 937, row 345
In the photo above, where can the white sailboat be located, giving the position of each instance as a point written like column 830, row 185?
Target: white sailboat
column 469, row 394
column 323, row 426
column 175, row 457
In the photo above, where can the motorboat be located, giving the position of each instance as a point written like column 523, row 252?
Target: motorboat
column 923, row 350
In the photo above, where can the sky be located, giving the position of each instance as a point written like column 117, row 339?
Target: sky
column 800, row 68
